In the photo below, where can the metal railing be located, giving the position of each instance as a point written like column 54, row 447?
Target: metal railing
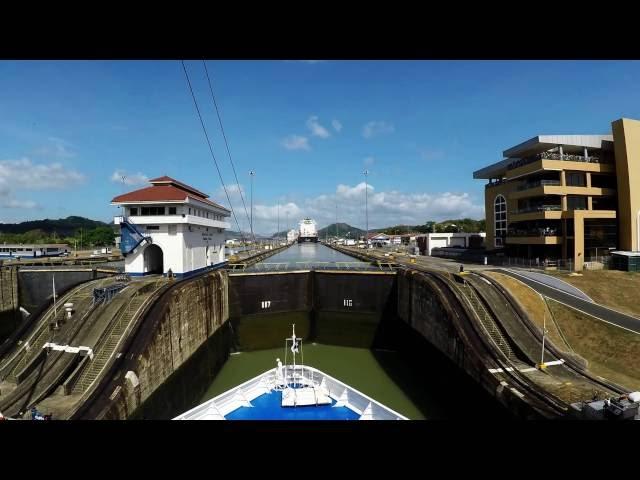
column 535, row 232
column 596, row 262
column 495, row 183
column 600, row 262
column 538, row 208
column 567, row 157
column 539, row 183
column 227, row 402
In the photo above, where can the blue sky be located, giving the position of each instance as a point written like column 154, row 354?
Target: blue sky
column 308, row 129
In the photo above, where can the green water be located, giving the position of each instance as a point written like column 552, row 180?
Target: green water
column 357, row 367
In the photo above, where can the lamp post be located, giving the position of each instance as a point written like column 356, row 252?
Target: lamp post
column 252, row 174
column 543, row 365
column 366, row 209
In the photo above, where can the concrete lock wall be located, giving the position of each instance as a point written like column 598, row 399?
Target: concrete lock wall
column 437, row 316
column 182, row 333
column 420, row 306
column 36, row 287
column 431, row 311
column 333, row 308
column 9, row 303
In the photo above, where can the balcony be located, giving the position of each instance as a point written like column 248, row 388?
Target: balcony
column 535, row 240
column 535, row 236
column 495, row 183
column 173, row 219
column 557, row 156
column 539, row 183
column 538, row 208
column 535, row 232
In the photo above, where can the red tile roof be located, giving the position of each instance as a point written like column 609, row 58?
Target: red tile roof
column 165, row 189
column 172, row 181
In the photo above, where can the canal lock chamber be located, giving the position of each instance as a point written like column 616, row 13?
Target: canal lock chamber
column 350, row 328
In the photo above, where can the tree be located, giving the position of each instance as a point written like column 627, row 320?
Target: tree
column 101, row 236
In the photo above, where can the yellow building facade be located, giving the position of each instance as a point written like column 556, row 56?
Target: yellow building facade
column 573, row 198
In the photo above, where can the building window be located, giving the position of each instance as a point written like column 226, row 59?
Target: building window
column 133, row 211
column 152, row 211
column 576, row 179
column 576, row 202
column 172, row 229
column 153, row 227
column 500, row 220
column 172, row 210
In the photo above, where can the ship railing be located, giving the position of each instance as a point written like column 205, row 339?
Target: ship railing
column 229, row 401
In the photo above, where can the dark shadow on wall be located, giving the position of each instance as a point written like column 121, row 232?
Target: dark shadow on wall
column 186, row 386
column 420, row 370
column 9, row 322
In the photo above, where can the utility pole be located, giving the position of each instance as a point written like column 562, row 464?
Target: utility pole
column 336, row 221
column 543, row 365
column 123, row 177
column 55, row 308
column 252, row 174
column 366, row 209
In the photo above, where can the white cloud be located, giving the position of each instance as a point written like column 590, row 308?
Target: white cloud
column 270, row 212
column 13, row 203
column 337, row 126
column 23, row 174
column 296, row 142
column 377, row 127
column 129, row 178
column 317, row 130
column 234, row 191
column 386, row 208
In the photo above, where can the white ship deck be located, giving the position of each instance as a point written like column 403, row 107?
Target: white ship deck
column 305, row 396
column 316, row 388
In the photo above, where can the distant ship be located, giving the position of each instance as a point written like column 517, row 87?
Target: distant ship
column 308, row 231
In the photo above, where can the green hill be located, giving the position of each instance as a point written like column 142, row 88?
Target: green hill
column 343, row 230
column 71, row 230
column 62, row 227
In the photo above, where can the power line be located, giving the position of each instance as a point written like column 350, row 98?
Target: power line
column 195, row 102
column 226, row 143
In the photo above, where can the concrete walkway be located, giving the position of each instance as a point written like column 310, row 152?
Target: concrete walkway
column 591, row 308
column 552, row 282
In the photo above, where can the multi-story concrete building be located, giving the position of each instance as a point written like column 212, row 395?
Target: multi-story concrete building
column 428, row 241
column 170, row 226
column 568, row 197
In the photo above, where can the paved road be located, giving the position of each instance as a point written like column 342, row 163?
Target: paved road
column 552, row 282
column 602, row 313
